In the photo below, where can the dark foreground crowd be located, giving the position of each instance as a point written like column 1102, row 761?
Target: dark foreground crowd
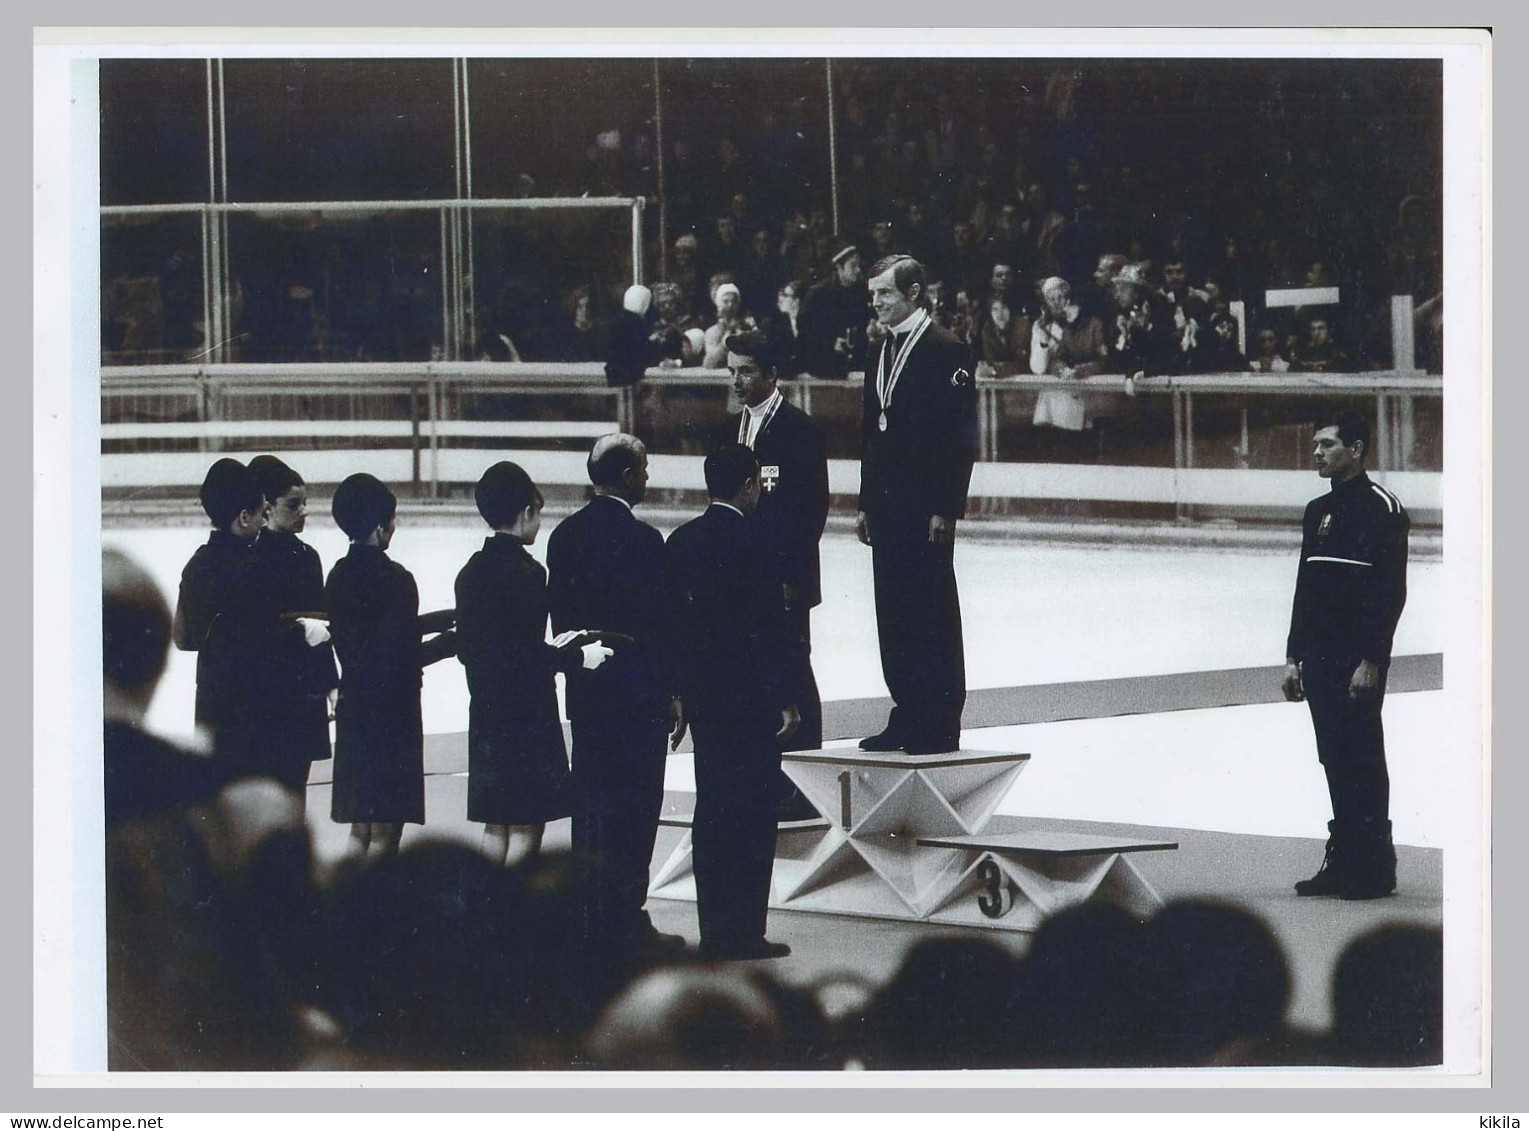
column 226, row 951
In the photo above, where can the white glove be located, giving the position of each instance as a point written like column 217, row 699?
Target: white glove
column 315, row 632
column 595, row 655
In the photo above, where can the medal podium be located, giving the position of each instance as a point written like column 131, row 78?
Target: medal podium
column 902, row 836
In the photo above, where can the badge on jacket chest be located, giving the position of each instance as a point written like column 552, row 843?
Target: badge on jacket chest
column 1325, row 525
column 769, row 476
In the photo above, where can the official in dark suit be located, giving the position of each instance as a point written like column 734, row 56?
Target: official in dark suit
column 606, row 571
column 920, row 440
column 734, row 658
column 793, row 510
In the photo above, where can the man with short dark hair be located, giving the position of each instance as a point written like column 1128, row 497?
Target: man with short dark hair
column 793, row 510
column 1349, row 594
column 919, row 444
column 733, row 658
column 605, row 570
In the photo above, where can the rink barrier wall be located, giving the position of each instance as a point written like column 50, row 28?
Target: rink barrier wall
column 160, row 424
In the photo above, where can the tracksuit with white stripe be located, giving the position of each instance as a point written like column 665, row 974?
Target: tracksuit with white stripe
column 1349, row 595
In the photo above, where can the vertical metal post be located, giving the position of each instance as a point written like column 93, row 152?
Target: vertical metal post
column 469, row 277
column 224, row 295
column 445, row 287
column 637, row 207
column 1407, row 430
column 1402, row 340
column 1243, row 440
column 434, row 400
column 833, row 147
column 663, row 195
column 1189, row 429
column 1382, row 434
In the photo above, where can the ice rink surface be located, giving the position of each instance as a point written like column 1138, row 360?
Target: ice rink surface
column 1033, row 613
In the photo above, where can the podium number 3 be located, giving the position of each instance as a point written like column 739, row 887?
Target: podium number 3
column 994, row 899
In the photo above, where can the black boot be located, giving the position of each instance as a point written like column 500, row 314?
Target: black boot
column 1329, row 877
column 1371, row 871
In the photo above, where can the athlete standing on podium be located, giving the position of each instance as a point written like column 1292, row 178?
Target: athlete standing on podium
column 920, row 441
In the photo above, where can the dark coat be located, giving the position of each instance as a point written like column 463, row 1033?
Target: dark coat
column 793, row 504
column 1352, row 581
column 517, row 762
column 922, row 464
column 606, row 571
column 734, row 651
column 301, row 677
column 373, row 607
column 631, row 351
column 834, row 311
column 215, row 618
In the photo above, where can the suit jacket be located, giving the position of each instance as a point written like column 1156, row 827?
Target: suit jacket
column 793, row 504
column 606, row 570
column 734, row 651
column 922, row 464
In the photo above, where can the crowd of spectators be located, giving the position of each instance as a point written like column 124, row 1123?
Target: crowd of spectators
column 226, row 950
column 1215, row 183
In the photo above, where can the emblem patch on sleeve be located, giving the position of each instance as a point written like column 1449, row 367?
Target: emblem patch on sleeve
column 960, row 379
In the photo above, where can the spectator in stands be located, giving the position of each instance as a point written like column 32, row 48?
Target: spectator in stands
column 1319, row 353
column 685, row 272
column 730, row 320
column 783, row 333
column 835, row 318
column 1388, row 999
column 1001, row 337
column 1189, row 307
column 1140, row 337
column 724, row 251
column 579, row 337
column 1096, row 296
column 960, row 266
column 1067, row 343
column 761, row 273
column 1267, row 357
column 1218, row 352
column 207, row 882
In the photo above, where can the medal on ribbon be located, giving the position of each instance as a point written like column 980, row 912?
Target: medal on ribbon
column 886, row 382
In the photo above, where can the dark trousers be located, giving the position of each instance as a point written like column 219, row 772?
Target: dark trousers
column 618, row 779
column 809, row 734
column 1350, row 742
column 918, row 623
column 737, row 765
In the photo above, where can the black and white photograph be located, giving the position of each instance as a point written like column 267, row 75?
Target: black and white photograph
column 718, row 555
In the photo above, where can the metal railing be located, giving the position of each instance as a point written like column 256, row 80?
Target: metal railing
column 447, row 415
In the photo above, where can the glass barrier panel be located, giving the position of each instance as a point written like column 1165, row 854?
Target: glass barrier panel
column 151, row 289
column 546, row 283
column 335, row 285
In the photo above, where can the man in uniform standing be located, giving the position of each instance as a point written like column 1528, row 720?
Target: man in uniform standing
column 920, row 441
column 1349, row 594
column 834, row 320
column 793, row 510
column 605, row 570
